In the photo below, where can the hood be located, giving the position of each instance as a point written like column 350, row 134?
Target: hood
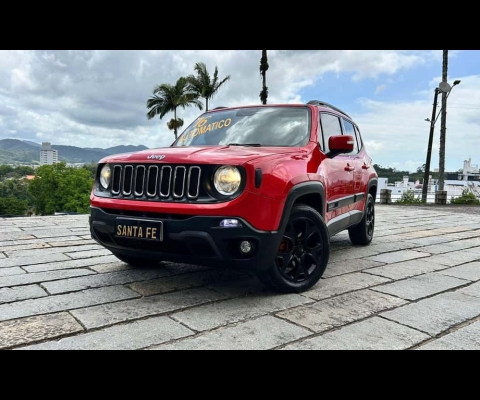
column 236, row 155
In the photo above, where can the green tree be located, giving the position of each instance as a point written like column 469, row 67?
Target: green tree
column 12, row 206
column 4, row 170
column 61, row 188
column 263, row 73
column 167, row 98
column 92, row 168
column 203, row 85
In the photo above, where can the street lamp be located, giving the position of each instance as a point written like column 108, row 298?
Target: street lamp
column 445, row 88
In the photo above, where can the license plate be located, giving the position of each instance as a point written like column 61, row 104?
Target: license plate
column 132, row 228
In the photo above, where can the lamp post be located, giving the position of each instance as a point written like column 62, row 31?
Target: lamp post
column 444, row 87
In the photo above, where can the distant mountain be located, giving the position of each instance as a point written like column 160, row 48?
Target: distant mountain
column 14, row 151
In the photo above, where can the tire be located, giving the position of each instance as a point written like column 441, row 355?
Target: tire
column 299, row 263
column 137, row 262
column 362, row 234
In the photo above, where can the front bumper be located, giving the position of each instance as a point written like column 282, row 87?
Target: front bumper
column 190, row 239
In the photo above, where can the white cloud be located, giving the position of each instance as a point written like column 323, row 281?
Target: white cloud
column 380, row 88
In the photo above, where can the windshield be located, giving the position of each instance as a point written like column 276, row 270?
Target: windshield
column 264, row 126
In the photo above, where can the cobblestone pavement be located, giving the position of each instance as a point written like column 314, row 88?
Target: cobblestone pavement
column 417, row 286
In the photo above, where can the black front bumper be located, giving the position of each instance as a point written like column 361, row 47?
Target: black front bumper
column 190, row 239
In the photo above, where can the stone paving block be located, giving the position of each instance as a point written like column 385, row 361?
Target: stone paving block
column 437, row 314
column 472, row 290
column 11, row 271
column 346, row 267
column 133, row 336
column 22, row 244
column 372, row 334
column 76, row 242
column 34, row 253
column 83, row 262
column 64, row 302
column 421, row 286
column 2, row 255
column 226, row 312
column 238, row 287
column 470, row 271
column 25, row 279
column 99, row 280
column 14, row 235
column 431, row 240
column 351, row 253
column 180, row 282
column 447, row 247
column 467, row 338
column 392, row 246
column 32, row 260
column 260, row 334
column 52, row 233
column 107, row 267
column 406, row 269
column 89, row 254
column 337, row 285
column 8, row 295
column 109, row 314
column 38, row 227
column 341, row 310
column 398, row 256
column 454, row 258
column 32, row 329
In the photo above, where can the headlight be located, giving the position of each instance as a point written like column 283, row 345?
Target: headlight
column 227, row 180
column 105, row 175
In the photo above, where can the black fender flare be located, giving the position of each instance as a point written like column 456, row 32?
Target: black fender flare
column 373, row 182
column 299, row 190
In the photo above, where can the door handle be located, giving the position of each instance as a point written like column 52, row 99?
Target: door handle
column 365, row 166
column 349, row 168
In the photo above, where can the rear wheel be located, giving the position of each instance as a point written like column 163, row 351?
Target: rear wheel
column 362, row 234
column 137, row 261
column 303, row 253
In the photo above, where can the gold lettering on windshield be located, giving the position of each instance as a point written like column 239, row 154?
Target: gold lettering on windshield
column 200, row 127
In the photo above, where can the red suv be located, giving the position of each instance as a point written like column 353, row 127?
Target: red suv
column 258, row 187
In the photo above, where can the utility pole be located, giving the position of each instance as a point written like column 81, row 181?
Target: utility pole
column 429, row 150
column 443, row 125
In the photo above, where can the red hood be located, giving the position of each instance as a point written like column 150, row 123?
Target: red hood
column 201, row 155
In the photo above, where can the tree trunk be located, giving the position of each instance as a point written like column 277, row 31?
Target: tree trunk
column 206, row 104
column 263, row 73
column 175, row 126
column 443, row 125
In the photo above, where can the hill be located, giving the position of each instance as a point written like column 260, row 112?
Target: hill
column 14, row 151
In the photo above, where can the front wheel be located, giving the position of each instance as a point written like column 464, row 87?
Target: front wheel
column 362, row 234
column 137, row 261
column 303, row 253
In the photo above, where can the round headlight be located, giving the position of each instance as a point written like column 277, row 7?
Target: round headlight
column 105, row 175
column 227, row 180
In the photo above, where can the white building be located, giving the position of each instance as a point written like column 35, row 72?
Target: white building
column 48, row 156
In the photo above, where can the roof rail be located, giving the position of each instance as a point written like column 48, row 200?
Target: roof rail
column 217, row 108
column 323, row 103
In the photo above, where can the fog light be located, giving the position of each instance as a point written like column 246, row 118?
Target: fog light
column 245, row 247
column 230, row 223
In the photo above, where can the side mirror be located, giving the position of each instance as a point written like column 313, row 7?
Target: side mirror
column 340, row 144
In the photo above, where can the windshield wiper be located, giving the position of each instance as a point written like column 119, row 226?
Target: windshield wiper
column 245, row 144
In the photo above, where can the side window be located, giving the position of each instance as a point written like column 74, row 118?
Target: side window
column 330, row 127
column 359, row 139
column 350, row 130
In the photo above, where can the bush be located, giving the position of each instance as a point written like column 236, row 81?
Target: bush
column 409, row 197
column 467, row 197
column 12, row 206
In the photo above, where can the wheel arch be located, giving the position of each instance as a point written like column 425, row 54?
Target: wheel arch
column 372, row 187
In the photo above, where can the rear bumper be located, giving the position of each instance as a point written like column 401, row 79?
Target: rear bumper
column 191, row 239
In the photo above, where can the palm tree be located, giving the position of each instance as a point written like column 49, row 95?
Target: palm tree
column 167, row 98
column 203, row 85
column 263, row 73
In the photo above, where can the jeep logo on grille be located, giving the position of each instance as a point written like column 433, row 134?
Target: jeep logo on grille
column 155, row 157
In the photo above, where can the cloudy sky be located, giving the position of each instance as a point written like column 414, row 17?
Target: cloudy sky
column 97, row 98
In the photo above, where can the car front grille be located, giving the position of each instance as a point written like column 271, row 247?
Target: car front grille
column 156, row 182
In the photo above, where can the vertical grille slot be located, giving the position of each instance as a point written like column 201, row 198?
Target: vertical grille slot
column 152, row 180
column 116, row 178
column 193, row 182
column 127, row 180
column 165, row 181
column 179, row 182
column 139, row 180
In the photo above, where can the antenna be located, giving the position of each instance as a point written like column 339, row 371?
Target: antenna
column 325, row 104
